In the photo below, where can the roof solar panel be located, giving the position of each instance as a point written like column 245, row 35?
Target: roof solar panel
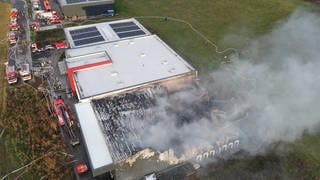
column 83, row 30
column 85, row 35
column 124, row 24
column 130, row 34
column 74, row 1
column 88, row 41
column 128, row 28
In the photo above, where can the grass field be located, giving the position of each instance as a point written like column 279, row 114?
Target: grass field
column 5, row 158
column 4, row 20
column 228, row 23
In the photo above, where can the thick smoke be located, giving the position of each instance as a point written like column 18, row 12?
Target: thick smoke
column 273, row 94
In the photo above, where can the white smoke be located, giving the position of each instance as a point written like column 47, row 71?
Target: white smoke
column 272, row 94
column 280, row 81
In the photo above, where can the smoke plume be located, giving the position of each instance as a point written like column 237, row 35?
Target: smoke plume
column 272, row 94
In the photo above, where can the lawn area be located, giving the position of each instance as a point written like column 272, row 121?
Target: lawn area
column 4, row 22
column 48, row 37
column 228, row 23
column 299, row 160
column 5, row 159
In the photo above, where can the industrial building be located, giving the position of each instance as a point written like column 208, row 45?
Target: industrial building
column 118, row 71
column 121, row 56
column 77, row 9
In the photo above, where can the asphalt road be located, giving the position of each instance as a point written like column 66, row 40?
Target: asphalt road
column 22, row 50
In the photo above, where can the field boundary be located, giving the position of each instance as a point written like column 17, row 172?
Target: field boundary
column 4, row 18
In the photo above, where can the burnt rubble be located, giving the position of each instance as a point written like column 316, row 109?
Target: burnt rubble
column 123, row 117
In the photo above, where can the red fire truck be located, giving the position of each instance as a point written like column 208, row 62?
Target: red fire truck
column 12, row 38
column 11, row 72
column 14, row 26
column 47, row 5
column 65, row 121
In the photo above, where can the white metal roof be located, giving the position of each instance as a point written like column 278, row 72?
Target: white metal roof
column 134, row 62
column 82, row 59
column 65, row 3
column 97, row 148
column 105, row 30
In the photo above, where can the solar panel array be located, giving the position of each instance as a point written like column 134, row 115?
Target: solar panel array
column 127, row 29
column 86, row 36
column 75, row 1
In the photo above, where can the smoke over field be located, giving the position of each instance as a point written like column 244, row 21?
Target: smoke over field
column 270, row 95
column 279, row 81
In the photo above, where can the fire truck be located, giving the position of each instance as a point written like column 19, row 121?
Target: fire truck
column 65, row 121
column 11, row 72
column 13, row 15
column 14, row 26
column 12, row 38
column 54, row 20
column 47, row 5
column 61, row 45
column 49, row 17
column 25, row 72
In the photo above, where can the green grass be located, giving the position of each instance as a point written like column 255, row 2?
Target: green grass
column 48, row 37
column 228, row 23
column 4, row 18
column 7, row 161
column 298, row 160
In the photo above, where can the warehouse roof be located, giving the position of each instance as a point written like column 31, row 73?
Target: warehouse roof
column 88, row 35
column 99, row 155
column 134, row 62
column 75, row 2
column 76, row 60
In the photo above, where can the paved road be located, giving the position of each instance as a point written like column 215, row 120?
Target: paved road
column 21, row 51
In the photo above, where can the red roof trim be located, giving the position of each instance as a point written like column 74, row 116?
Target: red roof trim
column 71, row 71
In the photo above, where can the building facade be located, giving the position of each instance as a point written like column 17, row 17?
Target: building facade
column 81, row 9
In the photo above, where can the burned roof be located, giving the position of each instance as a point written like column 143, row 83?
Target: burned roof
column 123, row 117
